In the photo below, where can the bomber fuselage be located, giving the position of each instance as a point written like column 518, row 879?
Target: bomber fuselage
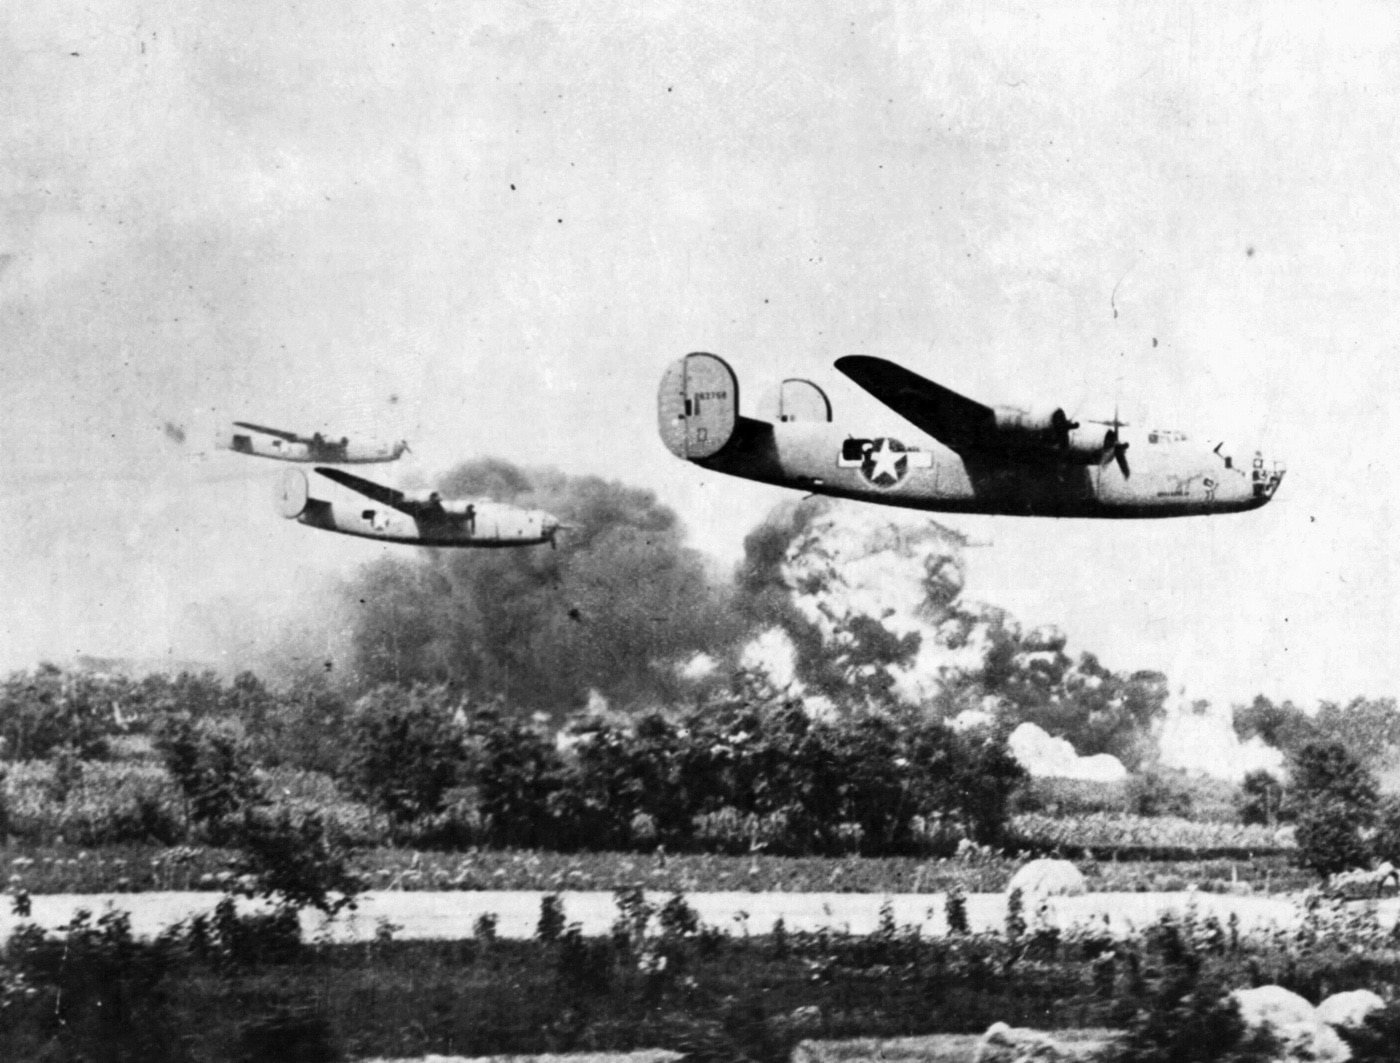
column 1171, row 476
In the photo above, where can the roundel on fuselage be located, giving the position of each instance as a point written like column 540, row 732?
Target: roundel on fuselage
column 697, row 406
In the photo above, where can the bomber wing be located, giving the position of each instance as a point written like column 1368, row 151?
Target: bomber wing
column 290, row 437
column 385, row 496
column 955, row 421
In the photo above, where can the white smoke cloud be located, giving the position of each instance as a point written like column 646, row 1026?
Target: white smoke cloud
column 1199, row 736
column 773, row 654
column 1045, row 756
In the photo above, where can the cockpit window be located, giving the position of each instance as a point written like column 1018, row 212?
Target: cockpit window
column 1164, row 435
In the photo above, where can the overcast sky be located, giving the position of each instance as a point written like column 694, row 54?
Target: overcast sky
column 488, row 227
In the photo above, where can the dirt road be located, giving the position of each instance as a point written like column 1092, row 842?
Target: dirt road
column 454, row 914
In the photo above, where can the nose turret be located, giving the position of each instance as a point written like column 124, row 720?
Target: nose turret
column 549, row 527
column 1265, row 475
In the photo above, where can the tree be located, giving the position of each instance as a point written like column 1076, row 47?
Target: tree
column 520, row 783
column 213, row 770
column 53, row 708
column 1261, row 798
column 405, row 750
column 1335, row 798
column 1285, row 727
column 1328, row 770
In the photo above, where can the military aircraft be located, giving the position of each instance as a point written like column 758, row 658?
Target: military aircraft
column 289, row 446
column 963, row 457
column 419, row 518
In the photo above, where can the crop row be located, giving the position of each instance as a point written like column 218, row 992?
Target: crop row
column 1103, row 832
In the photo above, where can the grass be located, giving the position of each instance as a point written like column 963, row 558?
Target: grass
column 696, row 991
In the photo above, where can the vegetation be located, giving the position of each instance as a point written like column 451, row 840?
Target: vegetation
column 128, row 869
column 236, row 987
column 303, row 798
column 1334, row 799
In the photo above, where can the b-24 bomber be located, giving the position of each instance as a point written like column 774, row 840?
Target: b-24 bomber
column 962, row 456
column 259, row 441
column 416, row 518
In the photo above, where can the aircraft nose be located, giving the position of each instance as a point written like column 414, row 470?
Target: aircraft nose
column 1265, row 476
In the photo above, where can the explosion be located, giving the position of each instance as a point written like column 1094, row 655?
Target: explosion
column 848, row 608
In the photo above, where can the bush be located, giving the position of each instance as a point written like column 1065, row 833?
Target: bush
column 95, row 992
column 1159, row 793
column 296, row 861
column 228, row 939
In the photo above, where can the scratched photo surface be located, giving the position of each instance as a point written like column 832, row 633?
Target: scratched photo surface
column 488, row 229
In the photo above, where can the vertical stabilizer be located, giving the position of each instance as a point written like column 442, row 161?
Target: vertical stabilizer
column 697, row 406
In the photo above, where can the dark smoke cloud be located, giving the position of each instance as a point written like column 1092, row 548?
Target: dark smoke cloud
column 616, row 609
column 848, row 607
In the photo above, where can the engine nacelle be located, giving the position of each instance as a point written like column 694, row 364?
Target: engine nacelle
column 1090, row 446
column 1033, row 427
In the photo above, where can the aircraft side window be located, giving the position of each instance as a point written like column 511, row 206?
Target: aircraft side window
column 853, row 449
column 1229, row 462
column 368, row 515
column 1152, row 437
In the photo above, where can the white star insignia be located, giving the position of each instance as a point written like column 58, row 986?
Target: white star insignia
column 885, row 461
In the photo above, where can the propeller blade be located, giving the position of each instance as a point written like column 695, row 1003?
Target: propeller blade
column 1120, row 455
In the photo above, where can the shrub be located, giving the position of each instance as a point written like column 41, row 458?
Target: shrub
column 551, row 924
column 296, row 861
column 1159, row 793
column 96, row 991
column 229, row 939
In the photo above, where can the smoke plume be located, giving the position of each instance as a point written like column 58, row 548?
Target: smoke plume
column 614, row 611
column 849, row 608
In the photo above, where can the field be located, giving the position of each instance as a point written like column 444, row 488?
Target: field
column 104, row 827
column 239, row 989
column 141, row 868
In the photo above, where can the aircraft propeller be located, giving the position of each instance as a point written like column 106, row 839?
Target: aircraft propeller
column 1113, row 446
column 553, row 530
